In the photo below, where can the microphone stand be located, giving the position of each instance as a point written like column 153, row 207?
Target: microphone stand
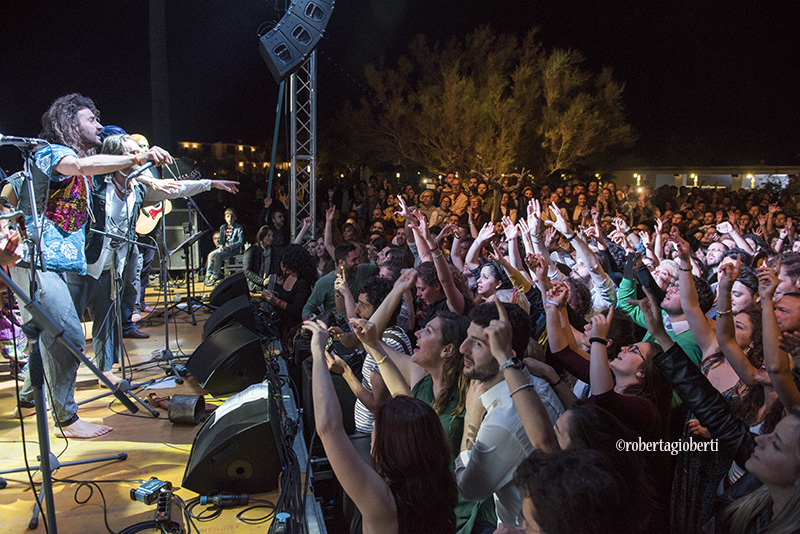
column 191, row 300
column 165, row 355
column 116, row 281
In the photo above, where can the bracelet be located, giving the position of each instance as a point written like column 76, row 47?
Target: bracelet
column 378, row 362
column 523, row 386
column 724, row 313
column 554, row 303
column 136, row 159
column 571, row 237
column 434, row 256
column 685, row 270
column 629, row 231
column 598, row 340
column 557, row 382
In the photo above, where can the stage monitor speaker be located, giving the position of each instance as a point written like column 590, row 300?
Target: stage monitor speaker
column 177, row 222
column 286, row 46
column 229, row 288
column 237, row 310
column 228, row 361
column 238, row 447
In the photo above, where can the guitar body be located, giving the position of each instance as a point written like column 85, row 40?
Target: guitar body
column 150, row 215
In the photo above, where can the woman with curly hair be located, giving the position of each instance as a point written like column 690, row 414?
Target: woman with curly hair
column 293, row 288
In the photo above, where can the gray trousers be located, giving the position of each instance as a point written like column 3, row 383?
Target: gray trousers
column 95, row 295
column 60, row 366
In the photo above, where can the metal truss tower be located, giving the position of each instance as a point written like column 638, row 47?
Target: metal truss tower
column 303, row 117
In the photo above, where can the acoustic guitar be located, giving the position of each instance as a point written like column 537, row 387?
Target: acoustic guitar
column 150, row 215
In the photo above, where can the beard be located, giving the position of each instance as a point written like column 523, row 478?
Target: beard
column 483, row 372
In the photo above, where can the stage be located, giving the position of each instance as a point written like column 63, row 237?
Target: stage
column 155, row 447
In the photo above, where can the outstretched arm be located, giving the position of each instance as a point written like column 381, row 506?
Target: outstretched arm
column 328, row 237
column 726, row 334
column 529, row 406
column 455, row 299
column 777, row 360
column 702, row 327
column 363, row 484
column 600, row 376
column 302, row 233
column 369, row 337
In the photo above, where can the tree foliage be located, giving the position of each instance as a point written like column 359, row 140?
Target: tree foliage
column 488, row 104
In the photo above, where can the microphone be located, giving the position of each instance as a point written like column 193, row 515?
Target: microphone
column 140, row 170
column 10, row 140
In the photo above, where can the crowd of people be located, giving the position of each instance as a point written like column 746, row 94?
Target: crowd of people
column 551, row 327
column 522, row 346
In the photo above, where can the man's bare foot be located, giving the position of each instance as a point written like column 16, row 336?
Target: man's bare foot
column 82, row 430
column 114, row 379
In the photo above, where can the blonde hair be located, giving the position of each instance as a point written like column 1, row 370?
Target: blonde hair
column 740, row 513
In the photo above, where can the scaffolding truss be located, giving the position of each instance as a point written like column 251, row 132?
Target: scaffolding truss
column 303, row 119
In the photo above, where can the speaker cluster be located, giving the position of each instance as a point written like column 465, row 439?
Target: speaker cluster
column 286, row 46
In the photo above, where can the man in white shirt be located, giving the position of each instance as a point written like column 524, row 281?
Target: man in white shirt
column 493, row 446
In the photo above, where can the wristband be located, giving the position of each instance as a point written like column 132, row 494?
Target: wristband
column 554, row 303
column 685, row 270
column 523, row 386
column 557, row 382
column 378, row 362
column 724, row 313
column 571, row 237
column 598, row 340
column 629, row 231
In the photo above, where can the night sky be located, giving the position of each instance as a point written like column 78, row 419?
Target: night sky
column 706, row 82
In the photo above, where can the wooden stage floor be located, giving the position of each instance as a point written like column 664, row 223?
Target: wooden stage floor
column 155, row 446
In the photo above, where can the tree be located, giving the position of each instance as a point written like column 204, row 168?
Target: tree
column 488, row 105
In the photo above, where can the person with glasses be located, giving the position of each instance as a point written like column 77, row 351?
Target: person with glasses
column 628, row 386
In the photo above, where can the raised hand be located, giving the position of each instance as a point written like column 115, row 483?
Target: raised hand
column 560, row 223
column 728, row 273
column 601, row 324
column 319, row 333
column 620, row 223
column 498, row 335
column 403, row 211
column 366, row 332
column 651, row 312
column 768, row 280
column 684, row 250
column 329, row 214
column 486, row 233
column 407, row 279
column 550, row 238
column 538, row 266
column 335, row 363
column 558, row 294
column 724, row 227
column 509, row 228
column 535, row 217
